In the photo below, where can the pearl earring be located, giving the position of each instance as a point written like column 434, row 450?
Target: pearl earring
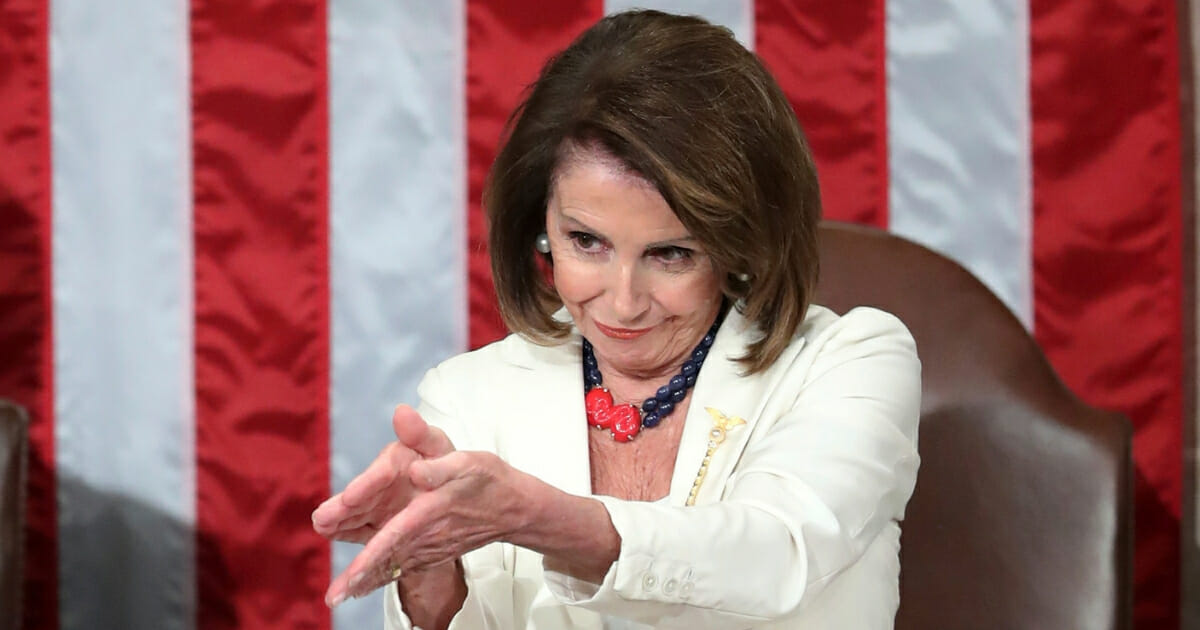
column 542, row 243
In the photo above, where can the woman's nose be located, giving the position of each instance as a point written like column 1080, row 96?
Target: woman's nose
column 630, row 298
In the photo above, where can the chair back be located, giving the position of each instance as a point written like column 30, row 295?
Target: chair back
column 1022, row 513
column 14, row 431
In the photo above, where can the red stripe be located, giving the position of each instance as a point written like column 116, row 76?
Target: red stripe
column 830, row 58
column 27, row 371
column 1107, row 250
column 259, row 124
column 507, row 43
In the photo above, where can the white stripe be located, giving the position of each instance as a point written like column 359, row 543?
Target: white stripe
column 398, row 212
column 124, row 416
column 958, row 137
column 737, row 15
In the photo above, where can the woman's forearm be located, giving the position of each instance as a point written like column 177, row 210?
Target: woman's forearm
column 431, row 597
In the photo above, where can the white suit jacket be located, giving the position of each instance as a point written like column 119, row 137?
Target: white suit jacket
column 795, row 523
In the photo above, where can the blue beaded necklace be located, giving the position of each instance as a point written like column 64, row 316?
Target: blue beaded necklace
column 625, row 421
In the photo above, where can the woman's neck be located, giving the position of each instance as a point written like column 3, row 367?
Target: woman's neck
column 636, row 386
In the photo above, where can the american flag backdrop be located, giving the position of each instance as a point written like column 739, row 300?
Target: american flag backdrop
column 234, row 233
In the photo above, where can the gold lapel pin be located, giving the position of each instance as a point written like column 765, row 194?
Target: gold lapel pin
column 722, row 424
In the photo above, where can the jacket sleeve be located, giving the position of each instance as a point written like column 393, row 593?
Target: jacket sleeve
column 489, row 602
column 807, row 498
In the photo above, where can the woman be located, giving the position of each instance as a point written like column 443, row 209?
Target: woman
column 672, row 437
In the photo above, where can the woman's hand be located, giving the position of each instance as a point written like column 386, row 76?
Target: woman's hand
column 463, row 501
column 384, row 488
column 377, row 495
column 421, row 505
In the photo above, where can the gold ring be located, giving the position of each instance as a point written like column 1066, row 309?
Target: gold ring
column 396, row 572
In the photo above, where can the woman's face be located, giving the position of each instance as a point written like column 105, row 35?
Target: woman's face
column 638, row 286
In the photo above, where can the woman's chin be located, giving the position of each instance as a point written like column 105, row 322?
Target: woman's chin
column 630, row 359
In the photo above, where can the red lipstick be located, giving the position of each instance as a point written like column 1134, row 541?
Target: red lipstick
column 621, row 333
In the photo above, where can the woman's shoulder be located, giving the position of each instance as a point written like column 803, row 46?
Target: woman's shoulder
column 826, row 337
column 859, row 322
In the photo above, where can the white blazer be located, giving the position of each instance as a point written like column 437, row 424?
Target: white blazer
column 796, row 519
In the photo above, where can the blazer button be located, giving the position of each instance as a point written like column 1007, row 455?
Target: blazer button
column 685, row 591
column 649, row 581
column 669, row 586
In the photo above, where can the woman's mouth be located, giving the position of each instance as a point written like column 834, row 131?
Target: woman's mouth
column 621, row 333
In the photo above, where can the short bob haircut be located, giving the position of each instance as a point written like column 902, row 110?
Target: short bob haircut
column 681, row 103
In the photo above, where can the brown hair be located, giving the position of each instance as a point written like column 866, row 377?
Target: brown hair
column 684, row 105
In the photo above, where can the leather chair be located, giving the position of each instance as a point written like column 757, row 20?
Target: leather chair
column 1022, row 513
column 13, row 453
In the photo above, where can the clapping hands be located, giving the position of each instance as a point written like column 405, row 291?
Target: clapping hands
column 420, row 505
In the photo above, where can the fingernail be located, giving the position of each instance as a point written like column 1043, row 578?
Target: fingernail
column 339, row 598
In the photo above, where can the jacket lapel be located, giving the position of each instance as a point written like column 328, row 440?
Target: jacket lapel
column 724, row 410
column 550, row 441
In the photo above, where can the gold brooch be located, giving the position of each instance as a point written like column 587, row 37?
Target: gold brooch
column 722, row 424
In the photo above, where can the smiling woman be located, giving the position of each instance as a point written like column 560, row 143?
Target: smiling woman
column 690, row 113
column 636, row 283
column 752, row 454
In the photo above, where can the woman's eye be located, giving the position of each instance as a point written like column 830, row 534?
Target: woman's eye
column 672, row 254
column 584, row 241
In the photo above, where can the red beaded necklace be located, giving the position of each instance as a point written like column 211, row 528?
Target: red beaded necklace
column 625, row 421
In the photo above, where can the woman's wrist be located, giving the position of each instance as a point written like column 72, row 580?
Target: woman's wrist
column 431, row 597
